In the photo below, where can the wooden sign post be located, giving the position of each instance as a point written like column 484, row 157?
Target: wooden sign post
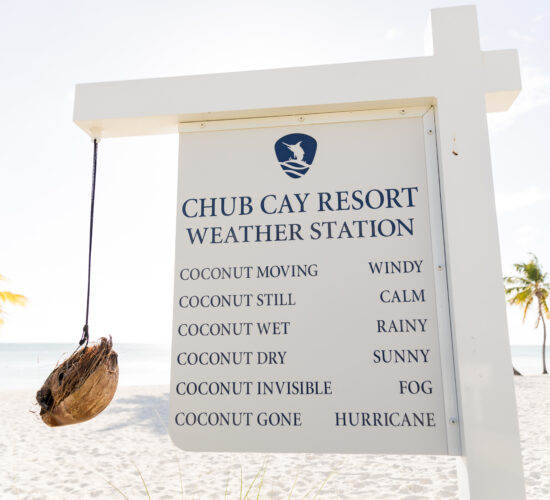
column 411, row 132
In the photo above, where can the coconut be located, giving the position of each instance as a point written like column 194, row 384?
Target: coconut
column 81, row 387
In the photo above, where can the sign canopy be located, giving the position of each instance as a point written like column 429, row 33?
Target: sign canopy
column 159, row 105
column 430, row 173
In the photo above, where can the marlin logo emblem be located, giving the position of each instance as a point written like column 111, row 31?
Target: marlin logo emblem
column 295, row 153
column 296, row 150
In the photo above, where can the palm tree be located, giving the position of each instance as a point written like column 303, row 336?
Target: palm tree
column 531, row 288
column 10, row 298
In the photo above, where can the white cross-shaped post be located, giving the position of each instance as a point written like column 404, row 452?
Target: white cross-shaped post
column 463, row 83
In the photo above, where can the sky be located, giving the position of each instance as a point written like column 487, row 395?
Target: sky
column 45, row 159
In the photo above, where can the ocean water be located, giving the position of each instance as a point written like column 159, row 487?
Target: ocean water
column 528, row 358
column 25, row 366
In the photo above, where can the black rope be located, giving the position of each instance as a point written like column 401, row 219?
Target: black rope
column 85, row 335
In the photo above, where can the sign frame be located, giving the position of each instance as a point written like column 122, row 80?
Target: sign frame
column 437, row 243
column 463, row 83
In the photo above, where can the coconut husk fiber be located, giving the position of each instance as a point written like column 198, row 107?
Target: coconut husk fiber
column 81, row 387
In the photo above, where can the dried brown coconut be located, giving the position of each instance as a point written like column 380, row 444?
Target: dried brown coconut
column 81, row 387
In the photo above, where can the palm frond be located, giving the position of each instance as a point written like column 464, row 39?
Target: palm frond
column 521, row 297
column 529, row 283
column 516, row 279
column 513, row 289
column 13, row 298
column 527, row 304
column 544, row 307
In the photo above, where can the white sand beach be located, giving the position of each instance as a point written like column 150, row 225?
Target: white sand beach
column 93, row 459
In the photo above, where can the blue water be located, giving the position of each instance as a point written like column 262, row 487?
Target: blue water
column 25, row 366
column 528, row 358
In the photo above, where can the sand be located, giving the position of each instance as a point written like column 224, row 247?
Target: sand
column 94, row 459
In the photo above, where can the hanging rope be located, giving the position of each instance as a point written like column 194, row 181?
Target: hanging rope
column 85, row 334
column 84, row 384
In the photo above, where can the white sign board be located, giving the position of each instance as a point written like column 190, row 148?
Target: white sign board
column 309, row 271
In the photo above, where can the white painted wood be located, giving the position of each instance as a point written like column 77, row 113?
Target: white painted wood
column 442, row 291
column 490, row 436
column 283, row 121
column 157, row 106
column 462, row 83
